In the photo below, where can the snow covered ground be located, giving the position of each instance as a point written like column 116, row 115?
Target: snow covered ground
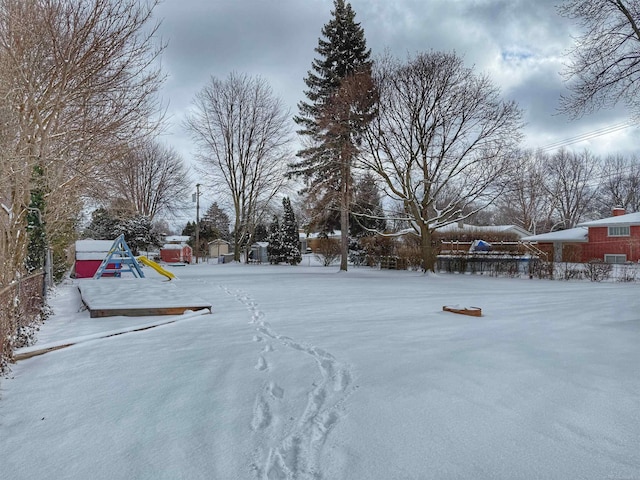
column 306, row 373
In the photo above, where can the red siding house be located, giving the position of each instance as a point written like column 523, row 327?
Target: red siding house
column 561, row 246
column 614, row 239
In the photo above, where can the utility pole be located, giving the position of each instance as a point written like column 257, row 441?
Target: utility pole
column 197, row 221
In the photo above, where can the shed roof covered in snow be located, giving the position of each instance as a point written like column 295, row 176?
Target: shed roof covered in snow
column 177, row 238
column 172, row 246
column 90, row 245
column 92, row 249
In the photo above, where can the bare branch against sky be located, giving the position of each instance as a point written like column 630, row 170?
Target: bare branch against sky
column 275, row 39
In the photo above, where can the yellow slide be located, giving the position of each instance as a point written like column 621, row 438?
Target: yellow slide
column 156, row 267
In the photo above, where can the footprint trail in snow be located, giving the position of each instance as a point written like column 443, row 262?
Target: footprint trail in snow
column 291, row 448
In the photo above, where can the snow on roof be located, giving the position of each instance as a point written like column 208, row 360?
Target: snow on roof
column 335, row 234
column 454, row 227
column 172, row 246
column 628, row 219
column 90, row 245
column 177, row 238
column 218, row 241
column 577, row 235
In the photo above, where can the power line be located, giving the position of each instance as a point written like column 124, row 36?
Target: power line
column 588, row 135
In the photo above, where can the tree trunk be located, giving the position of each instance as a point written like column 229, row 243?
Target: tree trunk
column 344, row 237
column 344, row 211
column 237, row 238
column 428, row 252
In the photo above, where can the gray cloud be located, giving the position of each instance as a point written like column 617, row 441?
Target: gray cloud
column 521, row 44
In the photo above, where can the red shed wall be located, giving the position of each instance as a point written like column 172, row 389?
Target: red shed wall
column 170, row 255
column 600, row 243
column 88, row 268
column 176, row 255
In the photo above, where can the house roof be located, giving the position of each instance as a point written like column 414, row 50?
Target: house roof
column 572, row 235
column 628, row 219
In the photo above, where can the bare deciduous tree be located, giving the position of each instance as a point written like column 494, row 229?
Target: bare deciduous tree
column 79, row 78
column 605, row 63
column 242, row 133
column 571, row 185
column 441, row 142
column 150, row 179
column 525, row 201
column 620, row 185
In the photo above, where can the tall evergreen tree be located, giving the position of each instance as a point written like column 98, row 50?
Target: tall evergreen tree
column 217, row 221
column 274, row 249
column 290, row 234
column 336, row 83
column 367, row 213
column 261, row 234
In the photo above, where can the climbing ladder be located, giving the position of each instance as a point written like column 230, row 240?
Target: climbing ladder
column 121, row 256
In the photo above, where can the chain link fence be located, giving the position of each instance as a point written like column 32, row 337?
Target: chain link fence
column 21, row 313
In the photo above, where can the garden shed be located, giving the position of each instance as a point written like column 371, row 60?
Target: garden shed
column 258, row 253
column 176, row 250
column 89, row 255
column 218, row 248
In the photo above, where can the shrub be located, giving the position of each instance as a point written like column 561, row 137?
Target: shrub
column 328, row 251
column 596, row 270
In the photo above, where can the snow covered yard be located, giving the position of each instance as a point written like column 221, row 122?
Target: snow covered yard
column 306, row 373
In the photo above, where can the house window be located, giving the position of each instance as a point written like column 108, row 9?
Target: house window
column 612, row 258
column 619, row 231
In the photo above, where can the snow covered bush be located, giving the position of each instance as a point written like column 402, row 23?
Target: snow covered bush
column 596, row 270
column 626, row 273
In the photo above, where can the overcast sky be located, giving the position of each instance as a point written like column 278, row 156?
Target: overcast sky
column 521, row 44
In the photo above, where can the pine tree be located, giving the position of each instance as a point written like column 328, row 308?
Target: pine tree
column 274, row 249
column 217, row 221
column 338, row 80
column 107, row 224
column 290, row 234
column 103, row 225
column 367, row 213
column 261, row 234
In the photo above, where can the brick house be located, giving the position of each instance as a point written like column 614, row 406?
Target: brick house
column 614, row 239
column 561, row 246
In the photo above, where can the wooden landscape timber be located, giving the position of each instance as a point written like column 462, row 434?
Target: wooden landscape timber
column 471, row 311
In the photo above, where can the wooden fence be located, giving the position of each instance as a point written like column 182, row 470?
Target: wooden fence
column 20, row 313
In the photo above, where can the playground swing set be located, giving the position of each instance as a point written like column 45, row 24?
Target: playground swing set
column 121, row 260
